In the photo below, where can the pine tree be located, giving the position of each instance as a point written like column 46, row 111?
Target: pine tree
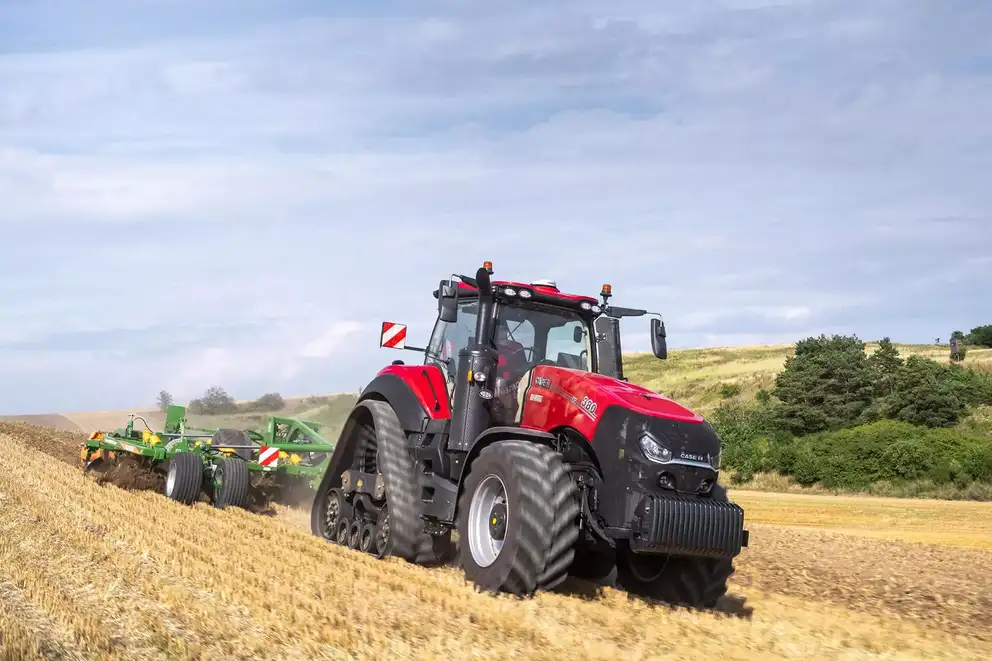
column 884, row 366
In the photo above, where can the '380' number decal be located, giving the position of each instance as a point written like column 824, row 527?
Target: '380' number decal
column 588, row 405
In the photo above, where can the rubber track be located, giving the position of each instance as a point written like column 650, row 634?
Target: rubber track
column 565, row 529
column 408, row 538
column 189, row 477
column 235, row 492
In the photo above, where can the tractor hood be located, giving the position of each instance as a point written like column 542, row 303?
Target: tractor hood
column 595, row 393
column 639, row 399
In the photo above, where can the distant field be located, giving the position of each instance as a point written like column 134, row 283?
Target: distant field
column 691, row 376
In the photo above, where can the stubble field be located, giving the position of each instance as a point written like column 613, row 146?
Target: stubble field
column 96, row 572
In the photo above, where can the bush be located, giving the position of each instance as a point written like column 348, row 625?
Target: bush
column 748, row 434
column 980, row 336
column 826, row 384
column 729, row 390
column 270, row 401
column 214, row 401
column 857, row 458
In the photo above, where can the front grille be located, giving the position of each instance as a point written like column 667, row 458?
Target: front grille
column 684, row 525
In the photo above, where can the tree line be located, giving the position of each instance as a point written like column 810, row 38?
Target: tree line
column 845, row 419
column 216, row 401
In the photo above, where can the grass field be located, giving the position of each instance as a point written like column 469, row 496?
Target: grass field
column 95, row 572
column 695, row 376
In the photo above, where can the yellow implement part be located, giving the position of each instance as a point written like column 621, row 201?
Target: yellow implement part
column 96, row 436
column 150, row 438
column 295, row 459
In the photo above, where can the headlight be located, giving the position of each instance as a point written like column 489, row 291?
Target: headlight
column 654, row 450
column 715, row 460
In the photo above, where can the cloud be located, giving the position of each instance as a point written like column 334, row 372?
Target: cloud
column 243, row 196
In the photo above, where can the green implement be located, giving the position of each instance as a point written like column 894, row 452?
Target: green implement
column 232, row 467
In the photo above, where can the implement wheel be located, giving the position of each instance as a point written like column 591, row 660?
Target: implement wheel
column 231, row 483
column 185, row 478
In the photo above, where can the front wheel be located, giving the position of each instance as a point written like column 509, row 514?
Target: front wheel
column 517, row 520
column 696, row 582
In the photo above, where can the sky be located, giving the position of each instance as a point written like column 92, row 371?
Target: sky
column 238, row 192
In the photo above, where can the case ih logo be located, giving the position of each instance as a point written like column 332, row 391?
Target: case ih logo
column 393, row 335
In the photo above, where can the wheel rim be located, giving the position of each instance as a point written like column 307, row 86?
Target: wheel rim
column 170, row 480
column 333, row 512
column 368, row 535
column 342, row 533
column 488, row 519
column 355, row 535
column 382, row 534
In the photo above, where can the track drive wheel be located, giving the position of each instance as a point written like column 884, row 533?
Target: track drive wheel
column 184, row 478
column 407, row 538
column 231, row 483
column 334, row 504
column 678, row 580
column 517, row 519
column 380, row 544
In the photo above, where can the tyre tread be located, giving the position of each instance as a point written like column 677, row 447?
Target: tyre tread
column 236, row 481
column 408, row 539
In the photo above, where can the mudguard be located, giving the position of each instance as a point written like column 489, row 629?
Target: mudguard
column 494, row 434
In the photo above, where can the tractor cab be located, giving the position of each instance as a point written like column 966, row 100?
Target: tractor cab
column 527, row 325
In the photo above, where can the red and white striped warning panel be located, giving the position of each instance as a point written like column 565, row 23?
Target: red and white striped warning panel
column 393, row 335
column 268, row 456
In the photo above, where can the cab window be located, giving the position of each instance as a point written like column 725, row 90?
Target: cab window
column 450, row 338
column 563, row 348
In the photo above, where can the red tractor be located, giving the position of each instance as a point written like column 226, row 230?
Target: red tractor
column 520, row 431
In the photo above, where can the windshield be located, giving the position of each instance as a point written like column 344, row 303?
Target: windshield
column 537, row 333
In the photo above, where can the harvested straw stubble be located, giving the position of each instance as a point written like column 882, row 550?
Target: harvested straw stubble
column 180, row 582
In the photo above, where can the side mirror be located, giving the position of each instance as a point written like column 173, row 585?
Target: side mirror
column 447, row 303
column 659, row 346
column 578, row 334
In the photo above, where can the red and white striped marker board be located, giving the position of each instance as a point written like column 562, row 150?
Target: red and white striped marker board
column 393, row 335
column 268, row 456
